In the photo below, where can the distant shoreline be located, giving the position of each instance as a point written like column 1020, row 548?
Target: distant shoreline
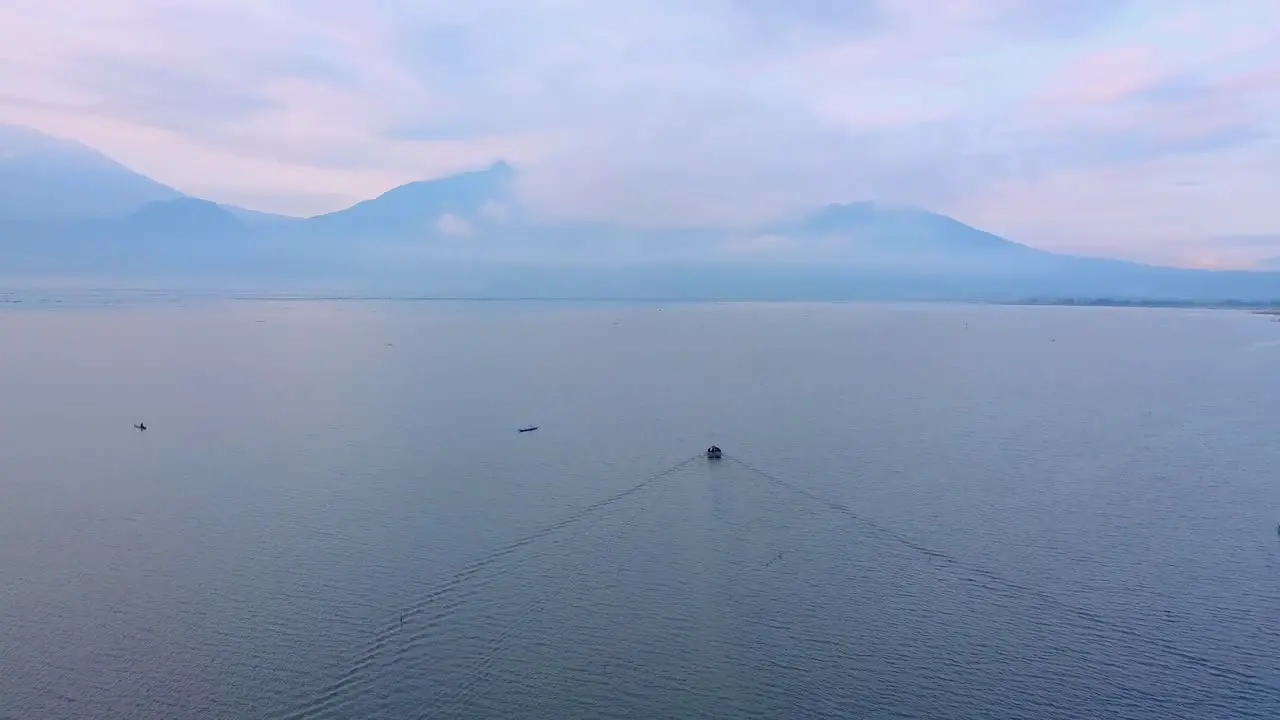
column 110, row 296
column 1260, row 308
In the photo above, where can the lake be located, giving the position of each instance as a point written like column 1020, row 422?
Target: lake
column 938, row 511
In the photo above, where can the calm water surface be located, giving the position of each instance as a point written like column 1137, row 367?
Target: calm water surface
column 1072, row 512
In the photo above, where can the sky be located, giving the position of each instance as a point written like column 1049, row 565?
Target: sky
column 1129, row 128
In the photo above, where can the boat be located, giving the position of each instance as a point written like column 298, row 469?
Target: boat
column 714, row 453
column 531, row 428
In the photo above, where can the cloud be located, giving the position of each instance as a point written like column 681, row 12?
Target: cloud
column 1270, row 241
column 1054, row 120
column 453, row 226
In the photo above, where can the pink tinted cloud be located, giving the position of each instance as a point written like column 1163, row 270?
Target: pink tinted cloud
column 1104, row 76
column 678, row 109
column 1264, row 79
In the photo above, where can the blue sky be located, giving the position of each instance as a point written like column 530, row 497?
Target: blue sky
column 1122, row 127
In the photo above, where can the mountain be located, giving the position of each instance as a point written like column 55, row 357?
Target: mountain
column 418, row 209
column 180, row 217
column 844, row 251
column 47, row 178
column 69, row 211
column 896, row 238
column 44, row 178
column 257, row 217
column 908, row 230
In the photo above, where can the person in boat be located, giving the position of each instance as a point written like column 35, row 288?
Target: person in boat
column 141, row 426
column 713, row 451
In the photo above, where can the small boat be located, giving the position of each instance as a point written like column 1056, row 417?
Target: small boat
column 714, row 453
column 531, row 428
column 140, row 426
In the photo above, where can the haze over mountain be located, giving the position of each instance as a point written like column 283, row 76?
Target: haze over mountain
column 424, row 207
column 468, row 234
column 46, row 178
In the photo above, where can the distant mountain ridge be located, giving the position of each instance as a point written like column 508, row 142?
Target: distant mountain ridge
column 184, row 215
column 912, row 229
column 418, row 207
column 467, row 232
column 46, row 178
